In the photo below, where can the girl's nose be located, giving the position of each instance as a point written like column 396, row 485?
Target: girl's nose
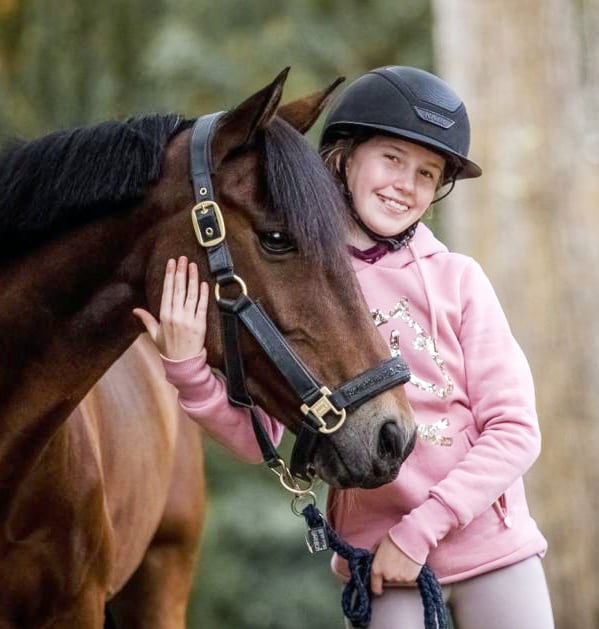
column 405, row 181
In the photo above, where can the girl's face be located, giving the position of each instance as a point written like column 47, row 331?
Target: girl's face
column 392, row 182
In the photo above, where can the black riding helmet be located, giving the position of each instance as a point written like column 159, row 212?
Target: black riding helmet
column 408, row 103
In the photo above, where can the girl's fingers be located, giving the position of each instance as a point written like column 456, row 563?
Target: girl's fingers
column 180, row 283
column 203, row 302
column 376, row 584
column 149, row 322
column 166, row 303
column 192, row 288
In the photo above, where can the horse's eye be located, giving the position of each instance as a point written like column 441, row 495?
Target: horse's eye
column 276, row 242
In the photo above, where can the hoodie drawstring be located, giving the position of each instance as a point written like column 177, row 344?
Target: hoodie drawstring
column 427, row 293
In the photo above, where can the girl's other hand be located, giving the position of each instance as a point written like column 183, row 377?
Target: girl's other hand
column 392, row 566
column 181, row 331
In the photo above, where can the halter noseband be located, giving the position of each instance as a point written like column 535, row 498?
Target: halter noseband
column 318, row 403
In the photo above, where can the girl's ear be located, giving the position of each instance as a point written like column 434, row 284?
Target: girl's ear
column 343, row 162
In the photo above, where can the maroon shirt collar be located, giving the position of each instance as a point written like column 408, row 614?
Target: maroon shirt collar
column 370, row 255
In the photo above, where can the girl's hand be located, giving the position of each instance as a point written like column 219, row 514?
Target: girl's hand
column 181, row 331
column 392, row 566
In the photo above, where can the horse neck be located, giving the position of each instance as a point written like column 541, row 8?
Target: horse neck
column 67, row 305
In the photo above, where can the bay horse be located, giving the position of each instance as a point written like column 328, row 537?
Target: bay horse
column 102, row 502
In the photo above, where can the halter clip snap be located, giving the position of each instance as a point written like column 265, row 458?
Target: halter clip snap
column 289, row 481
column 320, row 408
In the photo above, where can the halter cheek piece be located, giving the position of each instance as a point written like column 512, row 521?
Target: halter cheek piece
column 323, row 411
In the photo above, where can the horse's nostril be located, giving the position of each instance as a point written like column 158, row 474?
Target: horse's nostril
column 390, row 445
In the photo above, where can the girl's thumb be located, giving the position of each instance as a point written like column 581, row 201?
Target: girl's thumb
column 148, row 320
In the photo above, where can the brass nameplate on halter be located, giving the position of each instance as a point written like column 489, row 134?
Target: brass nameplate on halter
column 208, row 223
column 320, row 408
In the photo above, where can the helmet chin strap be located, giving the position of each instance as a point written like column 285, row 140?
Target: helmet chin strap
column 445, row 194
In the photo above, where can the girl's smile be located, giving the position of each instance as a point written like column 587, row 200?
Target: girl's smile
column 393, row 205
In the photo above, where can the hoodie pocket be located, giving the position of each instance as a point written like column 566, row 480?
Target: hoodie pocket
column 501, row 508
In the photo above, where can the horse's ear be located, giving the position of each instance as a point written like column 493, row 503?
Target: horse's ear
column 303, row 113
column 239, row 126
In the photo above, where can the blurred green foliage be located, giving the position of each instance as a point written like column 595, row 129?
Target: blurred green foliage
column 72, row 62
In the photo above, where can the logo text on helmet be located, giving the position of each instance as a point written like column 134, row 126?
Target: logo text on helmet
column 434, row 118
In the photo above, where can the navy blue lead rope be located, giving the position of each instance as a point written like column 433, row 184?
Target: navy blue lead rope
column 356, row 599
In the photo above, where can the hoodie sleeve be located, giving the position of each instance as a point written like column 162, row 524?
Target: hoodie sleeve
column 501, row 392
column 203, row 397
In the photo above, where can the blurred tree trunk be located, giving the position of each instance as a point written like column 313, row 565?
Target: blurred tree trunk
column 528, row 72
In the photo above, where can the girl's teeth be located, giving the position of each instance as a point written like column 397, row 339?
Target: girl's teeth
column 396, row 206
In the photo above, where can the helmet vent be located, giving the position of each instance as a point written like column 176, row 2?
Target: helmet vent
column 426, row 87
column 438, row 95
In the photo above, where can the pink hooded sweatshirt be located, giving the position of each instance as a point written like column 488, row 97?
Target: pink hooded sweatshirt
column 458, row 502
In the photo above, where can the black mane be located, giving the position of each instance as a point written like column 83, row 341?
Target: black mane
column 68, row 177
column 303, row 190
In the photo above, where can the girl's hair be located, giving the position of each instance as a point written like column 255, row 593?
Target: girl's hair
column 336, row 154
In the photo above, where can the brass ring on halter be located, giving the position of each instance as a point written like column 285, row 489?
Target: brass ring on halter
column 240, row 283
column 308, row 497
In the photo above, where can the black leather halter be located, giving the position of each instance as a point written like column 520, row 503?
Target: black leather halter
column 324, row 411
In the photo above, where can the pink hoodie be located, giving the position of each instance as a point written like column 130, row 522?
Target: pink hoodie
column 458, row 502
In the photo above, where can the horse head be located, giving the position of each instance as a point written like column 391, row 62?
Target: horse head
column 286, row 231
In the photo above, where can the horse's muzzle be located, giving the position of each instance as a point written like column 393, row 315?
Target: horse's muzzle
column 363, row 455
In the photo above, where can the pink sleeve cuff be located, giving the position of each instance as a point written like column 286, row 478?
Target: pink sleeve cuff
column 420, row 531
column 193, row 378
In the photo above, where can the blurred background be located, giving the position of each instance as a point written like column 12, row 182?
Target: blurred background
column 529, row 72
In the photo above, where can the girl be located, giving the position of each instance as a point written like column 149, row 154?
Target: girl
column 394, row 139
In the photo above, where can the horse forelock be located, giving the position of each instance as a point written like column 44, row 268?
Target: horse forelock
column 302, row 189
column 71, row 176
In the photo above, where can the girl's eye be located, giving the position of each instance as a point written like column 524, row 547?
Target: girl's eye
column 276, row 242
column 430, row 176
column 392, row 158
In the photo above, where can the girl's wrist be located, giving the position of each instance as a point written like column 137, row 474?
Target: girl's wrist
column 201, row 354
column 183, row 350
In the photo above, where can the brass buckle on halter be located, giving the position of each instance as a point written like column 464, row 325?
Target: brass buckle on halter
column 208, row 223
column 320, row 408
